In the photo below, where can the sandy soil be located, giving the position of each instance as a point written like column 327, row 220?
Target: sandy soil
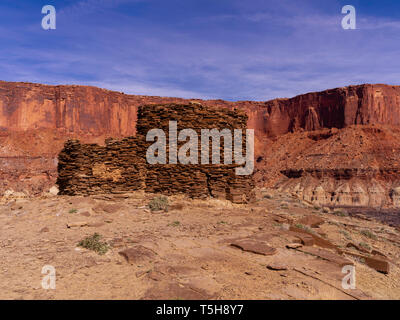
column 187, row 252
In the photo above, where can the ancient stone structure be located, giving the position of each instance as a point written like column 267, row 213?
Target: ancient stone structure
column 121, row 165
column 335, row 147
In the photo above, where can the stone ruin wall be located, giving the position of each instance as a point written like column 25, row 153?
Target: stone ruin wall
column 120, row 165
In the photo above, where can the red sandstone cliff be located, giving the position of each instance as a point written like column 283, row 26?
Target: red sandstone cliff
column 90, row 110
column 36, row 119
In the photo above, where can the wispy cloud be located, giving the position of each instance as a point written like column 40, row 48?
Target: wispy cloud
column 227, row 49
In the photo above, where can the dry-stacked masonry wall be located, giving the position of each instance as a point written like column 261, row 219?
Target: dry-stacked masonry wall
column 121, row 165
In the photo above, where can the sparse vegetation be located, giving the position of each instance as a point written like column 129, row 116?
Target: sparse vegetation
column 368, row 234
column 284, row 205
column 326, row 210
column 175, row 224
column 159, row 203
column 301, row 226
column 94, row 243
column 340, row 213
column 346, row 234
column 365, row 245
column 73, row 211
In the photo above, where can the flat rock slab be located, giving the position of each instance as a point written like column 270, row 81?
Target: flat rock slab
column 312, row 221
column 305, row 239
column 77, row 224
column 294, row 245
column 137, row 254
column 276, row 266
column 326, row 255
column 378, row 263
column 358, row 248
column 318, row 241
column 108, row 208
column 254, row 246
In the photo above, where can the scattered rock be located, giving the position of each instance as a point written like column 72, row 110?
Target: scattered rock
column 117, row 243
column 140, row 274
column 137, row 254
column 275, row 266
column 54, row 190
column 378, row 253
column 319, row 241
column 326, row 255
column 85, row 213
column 294, row 245
column 312, row 221
column 155, row 275
column 305, row 238
column 96, row 224
column 379, row 264
column 108, row 208
column 254, row 246
column 177, row 207
column 358, row 248
column 45, row 229
column 282, row 219
column 77, row 224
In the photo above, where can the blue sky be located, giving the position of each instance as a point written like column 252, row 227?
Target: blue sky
column 211, row 49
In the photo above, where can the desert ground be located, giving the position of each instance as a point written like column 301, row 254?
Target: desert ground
column 278, row 247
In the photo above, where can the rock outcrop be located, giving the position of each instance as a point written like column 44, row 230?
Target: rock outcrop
column 318, row 145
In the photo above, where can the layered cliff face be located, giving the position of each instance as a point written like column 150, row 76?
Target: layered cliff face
column 294, row 144
column 336, row 108
column 355, row 166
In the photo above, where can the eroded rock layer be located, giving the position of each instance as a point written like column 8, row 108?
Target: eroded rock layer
column 121, row 165
column 354, row 166
column 295, row 147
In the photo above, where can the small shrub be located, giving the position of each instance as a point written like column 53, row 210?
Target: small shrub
column 284, row 205
column 340, row 213
column 159, row 203
column 175, row 224
column 368, row 234
column 326, row 210
column 73, row 211
column 305, row 228
column 346, row 234
column 93, row 243
column 365, row 245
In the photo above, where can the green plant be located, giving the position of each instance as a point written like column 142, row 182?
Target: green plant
column 346, row 234
column 175, row 224
column 305, row 228
column 340, row 213
column 159, row 203
column 365, row 245
column 284, row 206
column 368, row 234
column 93, row 243
column 73, row 211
